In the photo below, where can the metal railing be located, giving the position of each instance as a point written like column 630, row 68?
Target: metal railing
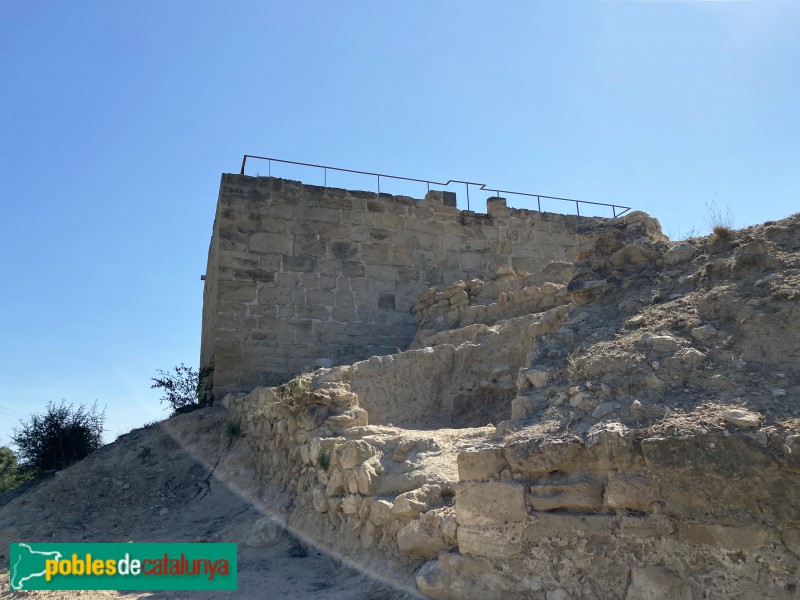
column 429, row 182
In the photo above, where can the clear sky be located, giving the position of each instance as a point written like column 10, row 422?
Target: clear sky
column 117, row 119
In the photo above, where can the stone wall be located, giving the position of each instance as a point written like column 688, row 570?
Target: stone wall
column 301, row 276
column 616, row 510
column 475, row 301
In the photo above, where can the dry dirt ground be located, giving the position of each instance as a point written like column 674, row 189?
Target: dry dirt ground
column 184, row 479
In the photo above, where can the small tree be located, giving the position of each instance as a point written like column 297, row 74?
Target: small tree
column 61, row 436
column 184, row 388
column 9, row 469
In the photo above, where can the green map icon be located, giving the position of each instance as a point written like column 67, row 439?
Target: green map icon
column 122, row 566
column 27, row 565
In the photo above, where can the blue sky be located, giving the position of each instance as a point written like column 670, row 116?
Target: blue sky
column 117, row 119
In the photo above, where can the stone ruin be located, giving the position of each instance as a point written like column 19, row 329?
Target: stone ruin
column 619, row 420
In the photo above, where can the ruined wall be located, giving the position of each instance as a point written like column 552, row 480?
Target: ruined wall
column 302, row 276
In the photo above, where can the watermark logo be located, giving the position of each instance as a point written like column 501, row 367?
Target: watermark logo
column 173, row 566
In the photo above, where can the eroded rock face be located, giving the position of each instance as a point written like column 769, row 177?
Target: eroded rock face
column 589, row 505
column 679, row 254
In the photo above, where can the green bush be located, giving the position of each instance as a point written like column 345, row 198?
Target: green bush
column 184, row 388
column 12, row 475
column 324, row 458
column 61, row 436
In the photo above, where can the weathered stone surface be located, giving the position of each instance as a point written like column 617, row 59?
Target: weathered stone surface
column 537, row 378
column 791, row 538
column 690, row 357
column 579, row 496
column 657, row 583
column 679, row 254
column 496, row 542
column 433, row 581
column 380, row 512
column 632, row 491
column 610, row 447
column 633, row 254
column 320, row 499
column 540, row 457
column 355, row 452
column 480, row 465
column 605, row 408
column 731, row 475
column 413, row 503
column 741, row 418
column 263, row 242
column 567, row 524
column 490, row 503
column 663, row 343
column 422, row 537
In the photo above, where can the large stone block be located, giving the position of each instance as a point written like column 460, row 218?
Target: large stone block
column 344, row 250
column 540, row 457
column 308, row 245
column 632, row 491
column 375, row 253
column 299, row 264
column 480, row 465
column 490, row 504
column 421, row 537
column 326, row 215
column 272, row 243
column 578, row 496
column 236, row 291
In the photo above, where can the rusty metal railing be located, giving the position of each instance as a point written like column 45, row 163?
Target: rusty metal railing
column 429, row 182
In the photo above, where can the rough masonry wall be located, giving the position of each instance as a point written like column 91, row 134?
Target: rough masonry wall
column 301, row 276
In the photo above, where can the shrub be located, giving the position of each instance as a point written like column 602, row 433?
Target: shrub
column 719, row 220
column 12, row 475
column 184, row 388
column 232, row 430
column 324, row 459
column 292, row 392
column 722, row 232
column 61, row 436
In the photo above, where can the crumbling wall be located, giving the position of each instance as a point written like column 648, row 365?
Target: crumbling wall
column 629, row 467
column 618, row 513
column 302, row 276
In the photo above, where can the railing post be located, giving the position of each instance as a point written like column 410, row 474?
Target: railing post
column 269, row 168
column 578, row 208
column 539, row 202
column 379, row 185
column 467, row 186
column 614, row 211
column 326, row 177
